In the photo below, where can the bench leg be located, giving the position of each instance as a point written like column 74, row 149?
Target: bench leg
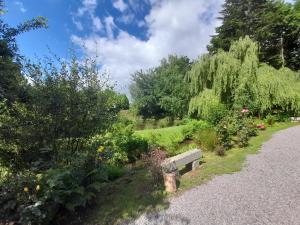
column 195, row 164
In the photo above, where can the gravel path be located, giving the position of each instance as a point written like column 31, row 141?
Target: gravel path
column 266, row 191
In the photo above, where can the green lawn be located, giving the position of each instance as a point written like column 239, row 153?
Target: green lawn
column 164, row 136
column 133, row 194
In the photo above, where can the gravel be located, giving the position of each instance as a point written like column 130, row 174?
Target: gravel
column 266, row 191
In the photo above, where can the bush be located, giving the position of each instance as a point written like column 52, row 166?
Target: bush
column 121, row 143
column 236, row 128
column 38, row 197
column 207, row 139
column 220, row 150
column 270, row 119
column 192, row 126
column 153, row 162
column 114, row 172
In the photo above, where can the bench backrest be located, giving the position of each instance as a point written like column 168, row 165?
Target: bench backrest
column 183, row 159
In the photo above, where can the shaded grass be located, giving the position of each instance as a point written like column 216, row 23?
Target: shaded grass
column 134, row 193
column 125, row 199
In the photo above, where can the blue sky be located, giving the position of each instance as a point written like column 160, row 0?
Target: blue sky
column 126, row 35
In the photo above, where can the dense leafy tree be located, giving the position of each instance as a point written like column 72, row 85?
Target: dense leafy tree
column 172, row 88
column 274, row 24
column 123, row 101
column 162, row 91
column 11, row 82
column 66, row 106
column 143, row 93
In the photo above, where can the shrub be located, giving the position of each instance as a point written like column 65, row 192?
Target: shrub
column 224, row 137
column 270, row 119
column 207, row 139
column 236, row 124
column 114, row 172
column 38, row 197
column 242, row 137
column 193, row 126
column 153, row 162
column 121, row 143
column 220, row 150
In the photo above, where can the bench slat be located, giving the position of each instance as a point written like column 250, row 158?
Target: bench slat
column 184, row 158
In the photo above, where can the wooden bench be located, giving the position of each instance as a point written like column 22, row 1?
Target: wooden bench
column 191, row 158
column 295, row 119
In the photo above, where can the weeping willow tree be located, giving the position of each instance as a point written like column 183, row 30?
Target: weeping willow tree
column 277, row 89
column 236, row 79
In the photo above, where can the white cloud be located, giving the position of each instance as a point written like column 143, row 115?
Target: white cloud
column 97, row 23
column 181, row 27
column 120, row 5
column 77, row 23
column 21, row 6
column 126, row 19
column 110, row 26
column 87, row 7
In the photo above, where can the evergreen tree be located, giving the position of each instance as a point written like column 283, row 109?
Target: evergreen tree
column 273, row 24
column 240, row 18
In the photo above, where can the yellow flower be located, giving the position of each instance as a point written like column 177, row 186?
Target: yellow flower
column 26, row 189
column 100, row 149
column 38, row 187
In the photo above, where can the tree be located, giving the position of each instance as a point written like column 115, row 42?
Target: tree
column 11, row 82
column 273, row 24
column 162, row 91
column 236, row 79
column 143, row 93
column 240, row 18
column 67, row 105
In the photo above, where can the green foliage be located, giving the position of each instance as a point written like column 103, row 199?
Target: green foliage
column 163, row 90
column 230, row 75
column 207, row 139
column 273, row 24
column 207, row 106
column 236, row 79
column 66, row 106
column 114, row 172
column 277, row 89
column 122, row 102
column 236, row 129
column 12, row 82
column 121, row 143
column 193, row 126
column 48, row 135
column 38, row 197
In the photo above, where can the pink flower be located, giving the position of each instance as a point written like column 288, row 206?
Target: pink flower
column 245, row 110
column 261, row 126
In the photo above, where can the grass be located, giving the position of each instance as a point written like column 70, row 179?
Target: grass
column 124, row 199
column 163, row 136
column 149, row 123
column 134, row 193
